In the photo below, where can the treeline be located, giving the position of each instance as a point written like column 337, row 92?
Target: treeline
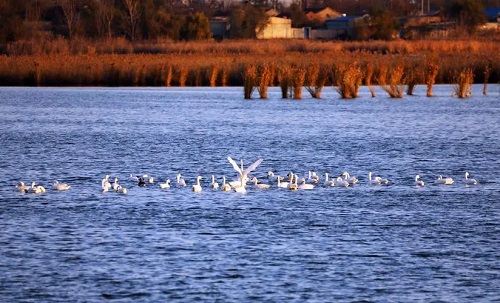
column 188, row 19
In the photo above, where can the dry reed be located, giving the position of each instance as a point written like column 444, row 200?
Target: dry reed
column 431, row 73
column 369, row 72
column 283, row 76
column 487, row 73
column 464, row 80
column 249, row 80
column 214, row 71
column 264, row 79
column 348, row 79
column 316, row 77
column 298, row 79
column 392, row 83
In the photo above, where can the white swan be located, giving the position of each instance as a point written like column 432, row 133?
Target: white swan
column 121, row 190
column 37, row 189
column 282, row 184
column 151, row 179
column 241, row 189
column 180, row 181
column 60, row 186
column 293, row 184
column 444, row 181
column 134, row 178
column 375, row 181
column 22, row 188
column 272, row 177
column 259, row 185
column 327, row 182
column 243, row 174
column 341, row 182
column 469, row 181
column 304, row 185
column 418, row 182
column 348, row 178
column 313, row 178
column 115, row 185
column 225, row 186
column 214, row 183
column 197, row 187
column 165, row 185
column 105, row 185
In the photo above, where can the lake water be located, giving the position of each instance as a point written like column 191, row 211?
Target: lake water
column 361, row 243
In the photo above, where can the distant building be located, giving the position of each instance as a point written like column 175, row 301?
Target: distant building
column 346, row 27
column 219, row 27
column 493, row 14
column 276, row 28
column 321, row 14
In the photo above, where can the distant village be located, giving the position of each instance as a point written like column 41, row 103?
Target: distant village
column 185, row 20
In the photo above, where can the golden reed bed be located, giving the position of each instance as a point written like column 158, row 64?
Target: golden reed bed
column 166, row 63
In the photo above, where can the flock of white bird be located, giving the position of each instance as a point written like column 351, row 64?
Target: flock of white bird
column 291, row 181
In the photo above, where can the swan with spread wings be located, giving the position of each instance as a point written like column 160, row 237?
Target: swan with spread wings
column 243, row 178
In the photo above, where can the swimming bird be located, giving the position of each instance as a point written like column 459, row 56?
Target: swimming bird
column 375, row 181
column 469, row 181
column 141, row 182
column 241, row 189
column 304, row 185
column 341, row 182
column 37, row 189
column 348, row 178
column 60, row 186
column 293, row 184
column 180, row 181
column 259, row 185
column 225, row 186
column 105, row 185
column 115, row 185
column 243, row 174
column 444, row 181
column 120, row 189
column 22, row 188
column 197, row 187
column 214, row 183
column 313, row 178
column 383, row 181
column 165, row 185
column 282, row 184
column 418, row 182
column 327, row 181
column 151, row 180
column 272, row 177
column 134, row 178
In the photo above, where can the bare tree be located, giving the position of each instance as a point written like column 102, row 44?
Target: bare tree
column 133, row 14
column 71, row 12
column 104, row 13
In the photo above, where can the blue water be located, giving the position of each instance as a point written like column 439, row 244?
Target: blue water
column 395, row 243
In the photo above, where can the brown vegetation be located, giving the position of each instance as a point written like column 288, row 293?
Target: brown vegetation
column 164, row 63
column 463, row 80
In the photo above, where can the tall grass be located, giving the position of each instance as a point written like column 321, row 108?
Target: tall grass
column 348, row 79
column 391, row 80
column 165, row 63
column 464, row 80
column 431, row 73
column 249, row 80
column 316, row 77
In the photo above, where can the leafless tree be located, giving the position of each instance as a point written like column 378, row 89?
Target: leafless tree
column 104, row 13
column 71, row 14
column 133, row 13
